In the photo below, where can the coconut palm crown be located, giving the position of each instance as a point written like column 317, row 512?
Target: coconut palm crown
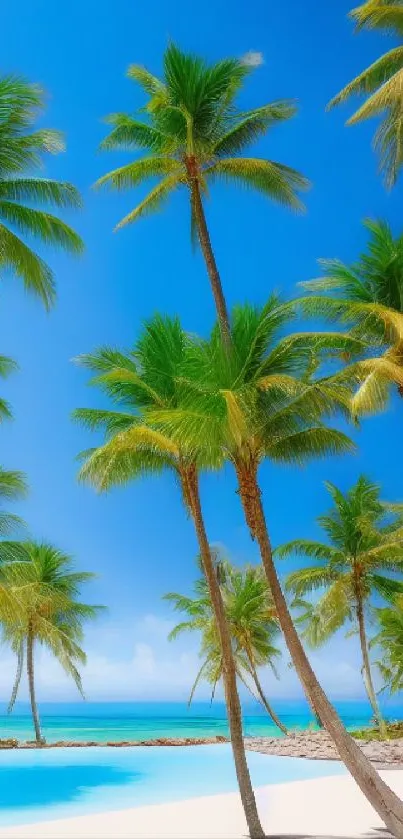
column 22, row 149
column 365, row 549
column 383, row 82
column 192, row 134
column 367, row 296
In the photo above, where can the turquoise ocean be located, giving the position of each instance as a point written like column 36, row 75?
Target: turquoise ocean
column 107, row 721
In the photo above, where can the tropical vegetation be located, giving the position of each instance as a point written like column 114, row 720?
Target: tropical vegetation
column 389, row 642
column 22, row 148
column 45, row 587
column 193, row 133
column 146, row 379
column 363, row 553
column 383, row 82
column 367, row 296
column 252, row 622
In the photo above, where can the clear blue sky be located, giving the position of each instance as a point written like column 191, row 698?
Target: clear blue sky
column 138, row 539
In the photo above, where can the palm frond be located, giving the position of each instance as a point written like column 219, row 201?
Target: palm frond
column 279, row 182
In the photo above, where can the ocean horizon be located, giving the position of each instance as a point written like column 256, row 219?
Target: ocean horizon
column 112, row 721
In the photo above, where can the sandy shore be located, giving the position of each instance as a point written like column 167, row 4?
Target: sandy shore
column 329, row 808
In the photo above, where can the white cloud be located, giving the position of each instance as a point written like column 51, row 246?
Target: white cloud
column 135, row 661
column 253, row 58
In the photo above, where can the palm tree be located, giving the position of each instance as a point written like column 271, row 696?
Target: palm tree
column 365, row 543
column 383, row 82
column 146, row 378
column 252, row 625
column 46, row 588
column 389, row 640
column 260, row 402
column 369, row 296
column 193, row 134
column 21, row 151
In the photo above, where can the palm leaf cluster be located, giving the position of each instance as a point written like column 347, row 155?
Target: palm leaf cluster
column 389, row 642
column 382, row 83
column 22, row 149
column 252, row 621
column 367, row 296
column 45, row 590
column 192, row 130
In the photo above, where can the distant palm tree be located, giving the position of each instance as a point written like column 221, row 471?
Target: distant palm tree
column 389, row 640
column 21, row 150
column 260, row 401
column 251, row 619
column 145, row 379
column 46, row 589
column 193, row 134
column 365, row 546
column 369, row 296
column 383, row 81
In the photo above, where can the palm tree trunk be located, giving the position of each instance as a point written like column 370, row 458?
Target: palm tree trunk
column 17, row 680
column 262, row 696
column 383, row 799
column 209, row 258
column 31, row 683
column 191, row 493
column 369, row 685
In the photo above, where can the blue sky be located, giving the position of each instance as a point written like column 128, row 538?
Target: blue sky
column 138, row 539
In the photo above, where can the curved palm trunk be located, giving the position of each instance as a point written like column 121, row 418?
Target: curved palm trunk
column 262, row 696
column 31, row 683
column 208, row 253
column 383, row 799
column 191, row 492
column 369, row 685
column 17, row 680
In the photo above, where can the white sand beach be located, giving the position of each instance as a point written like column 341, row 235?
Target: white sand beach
column 325, row 808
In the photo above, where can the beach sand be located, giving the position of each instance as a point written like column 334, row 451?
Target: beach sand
column 329, row 808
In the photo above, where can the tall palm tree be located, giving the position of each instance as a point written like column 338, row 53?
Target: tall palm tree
column 192, row 134
column 368, row 295
column 22, row 149
column 365, row 544
column 46, row 588
column 252, row 625
column 383, row 82
column 148, row 377
column 389, row 640
column 259, row 402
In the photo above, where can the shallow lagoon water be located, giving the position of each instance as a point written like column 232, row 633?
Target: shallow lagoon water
column 38, row 785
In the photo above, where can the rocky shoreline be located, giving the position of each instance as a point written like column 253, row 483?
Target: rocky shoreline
column 11, row 743
column 317, row 745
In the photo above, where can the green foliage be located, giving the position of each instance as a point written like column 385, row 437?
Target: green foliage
column 191, row 128
column 389, row 640
column 45, row 589
column 367, row 296
column 383, row 82
column 251, row 619
column 364, row 551
column 21, row 150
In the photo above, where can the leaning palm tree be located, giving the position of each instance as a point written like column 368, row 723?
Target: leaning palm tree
column 46, row 589
column 389, row 641
column 22, row 148
column 252, row 624
column 141, row 380
column 365, row 538
column 193, row 133
column 383, row 82
column 260, row 402
column 367, row 295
